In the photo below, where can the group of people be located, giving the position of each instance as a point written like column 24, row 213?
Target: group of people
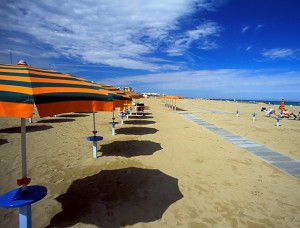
column 283, row 114
column 288, row 114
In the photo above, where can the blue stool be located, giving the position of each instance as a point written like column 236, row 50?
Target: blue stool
column 122, row 117
column 278, row 121
column 253, row 116
column 17, row 198
column 113, row 124
column 94, row 139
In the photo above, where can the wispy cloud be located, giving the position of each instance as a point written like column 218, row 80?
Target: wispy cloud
column 258, row 27
column 248, row 28
column 249, row 48
column 245, row 29
column 217, row 83
column 201, row 36
column 279, row 53
column 115, row 33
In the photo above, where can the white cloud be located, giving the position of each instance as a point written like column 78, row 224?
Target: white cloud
column 278, row 53
column 259, row 26
column 217, row 83
column 249, row 48
column 245, row 29
column 201, row 36
column 118, row 33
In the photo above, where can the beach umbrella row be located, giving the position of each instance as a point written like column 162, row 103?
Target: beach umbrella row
column 172, row 99
column 22, row 87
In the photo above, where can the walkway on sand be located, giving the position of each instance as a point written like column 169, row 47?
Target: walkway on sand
column 278, row 160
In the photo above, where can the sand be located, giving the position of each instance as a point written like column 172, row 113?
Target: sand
column 160, row 170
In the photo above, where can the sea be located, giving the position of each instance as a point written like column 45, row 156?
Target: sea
column 267, row 102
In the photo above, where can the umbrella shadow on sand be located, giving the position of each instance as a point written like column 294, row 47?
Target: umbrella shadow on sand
column 56, row 120
column 130, row 148
column 140, row 117
column 34, row 128
column 3, row 141
column 116, row 198
column 180, row 109
column 74, row 115
column 136, row 131
column 140, row 122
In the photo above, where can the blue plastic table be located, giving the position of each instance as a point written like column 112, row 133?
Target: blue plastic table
column 113, row 123
column 17, row 198
column 122, row 117
column 278, row 121
column 94, row 139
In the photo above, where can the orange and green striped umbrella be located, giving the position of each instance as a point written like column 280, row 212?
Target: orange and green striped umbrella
column 119, row 96
column 23, row 86
column 134, row 95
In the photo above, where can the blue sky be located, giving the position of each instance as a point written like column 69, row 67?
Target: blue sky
column 238, row 49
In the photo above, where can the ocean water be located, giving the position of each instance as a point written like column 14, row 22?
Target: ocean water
column 267, row 102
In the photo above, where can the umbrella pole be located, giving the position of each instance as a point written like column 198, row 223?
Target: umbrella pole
column 94, row 142
column 23, row 149
column 94, row 138
column 25, row 211
column 113, row 111
column 94, row 123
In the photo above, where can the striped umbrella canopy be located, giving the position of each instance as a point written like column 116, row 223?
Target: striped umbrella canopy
column 134, row 95
column 120, row 97
column 22, row 86
column 172, row 99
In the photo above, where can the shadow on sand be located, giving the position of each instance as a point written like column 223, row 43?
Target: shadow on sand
column 116, row 198
column 140, row 117
column 136, row 131
column 130, row 148
column 139, row 122
column 180, row 109
column 74, row 115
column 3, row 141
column 28, row 129
column 56, row 120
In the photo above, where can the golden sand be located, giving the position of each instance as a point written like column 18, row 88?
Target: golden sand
column 160, row 170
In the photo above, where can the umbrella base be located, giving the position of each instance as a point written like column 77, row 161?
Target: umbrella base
column 113, row 127
column 94, row 139
column 17, row 198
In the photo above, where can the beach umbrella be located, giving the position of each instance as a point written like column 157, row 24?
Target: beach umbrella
column 281, row 106
column 21, row 88
column 121, row 99
column 134, row 95
column 119, row 96
column 172, row 99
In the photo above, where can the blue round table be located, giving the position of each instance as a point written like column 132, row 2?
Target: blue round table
column 94, row 139
column 113, row 123
column 17, row 198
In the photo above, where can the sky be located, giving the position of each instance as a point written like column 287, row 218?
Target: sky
column 220, row 49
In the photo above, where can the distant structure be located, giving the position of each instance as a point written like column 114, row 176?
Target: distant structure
column 146, row 95
column 151, row 94
column 127, row 89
